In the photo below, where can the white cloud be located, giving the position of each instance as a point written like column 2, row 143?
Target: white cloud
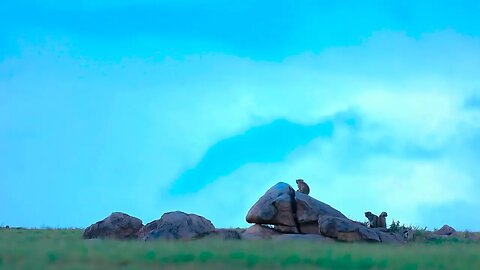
column 426, row 117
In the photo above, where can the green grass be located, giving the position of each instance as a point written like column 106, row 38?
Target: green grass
column 64, row 249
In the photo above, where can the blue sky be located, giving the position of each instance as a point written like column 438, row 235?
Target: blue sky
column 154, row 106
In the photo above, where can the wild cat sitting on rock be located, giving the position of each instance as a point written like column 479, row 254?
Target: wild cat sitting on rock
column 302, row 186
column 382, row 221
column 377, row 221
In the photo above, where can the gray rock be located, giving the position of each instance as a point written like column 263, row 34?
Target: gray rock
column 286, row 229
column 391, row 238
column 309, row 228
column 445, row 230
column 276, row 207
column 309, row 209
column 302, row 237
column 176, row 225
column 147, row 229
column 116, row 226
column 222, row 234
column 259, row 232
column 344, row 229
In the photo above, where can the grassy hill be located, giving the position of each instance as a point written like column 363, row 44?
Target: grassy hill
column 64, row 249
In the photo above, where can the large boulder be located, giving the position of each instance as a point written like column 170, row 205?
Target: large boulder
column 276, row 207
column 297, row 213
column 176, row 225
column 290, row 211
column 445, row 230
column 116, row 226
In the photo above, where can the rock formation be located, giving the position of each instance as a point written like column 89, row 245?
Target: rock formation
column 281, row 214
column 295, row 212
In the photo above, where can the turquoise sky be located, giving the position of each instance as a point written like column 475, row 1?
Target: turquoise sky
column 152, row 106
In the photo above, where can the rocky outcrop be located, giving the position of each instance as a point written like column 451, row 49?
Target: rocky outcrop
column 280, row 214
column 445, row 230
column 116, row 226
column 176, row 226
column 298, row 213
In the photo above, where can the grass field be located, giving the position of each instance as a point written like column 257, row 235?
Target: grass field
column 64, row 249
